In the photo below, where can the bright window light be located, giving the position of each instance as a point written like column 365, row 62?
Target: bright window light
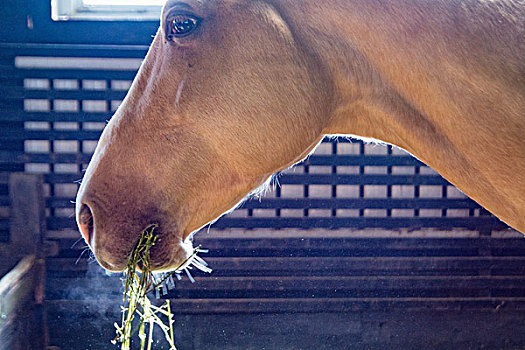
column 106, row 10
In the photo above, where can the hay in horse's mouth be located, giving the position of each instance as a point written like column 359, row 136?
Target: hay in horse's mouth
column 138, row 286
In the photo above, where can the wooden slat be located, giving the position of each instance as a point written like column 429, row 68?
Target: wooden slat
column 334, row 266
column 50, row 135
column 21, row 157
column 392, row 272
column 77, row 94
column 10, row 50
column 4, row 224
column 22, row 231
column 69, row 74
column 292, row 305
column 273, row 203
column 4, row 178
column 18, row 115
column 27, row 212
column 338, row 287
column 445, row 223
column 310, row 324
column 20, row 327
column 17, row 288
column 340, row 247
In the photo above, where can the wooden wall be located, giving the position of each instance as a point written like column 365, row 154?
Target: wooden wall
column 22, row 264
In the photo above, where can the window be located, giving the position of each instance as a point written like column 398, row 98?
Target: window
column 64, row 10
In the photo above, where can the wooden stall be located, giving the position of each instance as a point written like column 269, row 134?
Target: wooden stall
column 356, row 234
column 361, row 246
column 22, row 265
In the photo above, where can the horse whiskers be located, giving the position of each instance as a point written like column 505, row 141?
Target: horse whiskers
column 91, row 258
column 166, row 279
column 81, row 254
column 76, row 242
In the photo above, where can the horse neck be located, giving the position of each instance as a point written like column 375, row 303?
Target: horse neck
column 437, row 78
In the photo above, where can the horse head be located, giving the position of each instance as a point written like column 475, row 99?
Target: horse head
column 232, row 91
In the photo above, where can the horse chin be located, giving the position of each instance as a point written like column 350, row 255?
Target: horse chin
column 170, row 257
column 111, row 267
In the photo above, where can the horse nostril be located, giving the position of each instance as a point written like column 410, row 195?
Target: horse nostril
column 85, row 223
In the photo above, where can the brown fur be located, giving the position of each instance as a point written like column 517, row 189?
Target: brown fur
column 259, row 83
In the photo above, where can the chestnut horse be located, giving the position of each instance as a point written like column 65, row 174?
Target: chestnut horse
column 232, row 91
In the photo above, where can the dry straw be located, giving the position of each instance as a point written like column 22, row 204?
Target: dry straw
column 137, row 286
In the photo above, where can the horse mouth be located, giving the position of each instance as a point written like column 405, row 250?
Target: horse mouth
column 167, row 255
column 164, row 252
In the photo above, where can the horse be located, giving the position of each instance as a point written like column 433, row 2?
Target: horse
column 233, row 91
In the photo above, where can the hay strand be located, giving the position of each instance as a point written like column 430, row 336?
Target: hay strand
column 137, row 286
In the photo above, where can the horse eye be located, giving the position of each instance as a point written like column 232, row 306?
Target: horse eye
column 182, row 25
